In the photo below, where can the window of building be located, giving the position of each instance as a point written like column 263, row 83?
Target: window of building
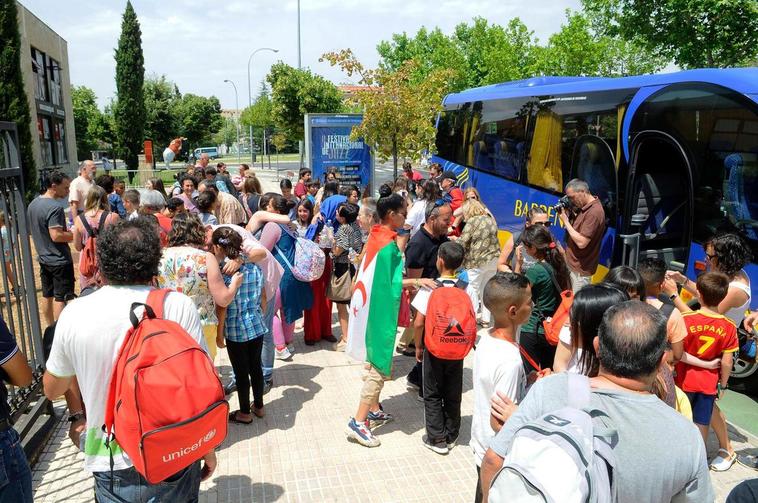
column 45, row 140
column 56, row 88
column 40, row 75
column 60, row 143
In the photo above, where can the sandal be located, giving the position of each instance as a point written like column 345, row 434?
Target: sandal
column 723, row 461
column 233, row 418
column 259, row 412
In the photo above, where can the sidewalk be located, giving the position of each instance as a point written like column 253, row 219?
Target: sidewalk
column 298, row 452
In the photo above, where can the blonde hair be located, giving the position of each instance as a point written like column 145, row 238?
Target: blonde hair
column 97, row 199
column 472, row 208
column 469, row 190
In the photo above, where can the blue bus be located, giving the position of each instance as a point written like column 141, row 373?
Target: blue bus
column 679, row 151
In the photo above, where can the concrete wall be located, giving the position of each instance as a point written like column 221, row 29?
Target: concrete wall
column 35, row 33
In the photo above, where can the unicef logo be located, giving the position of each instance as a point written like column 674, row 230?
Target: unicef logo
column 209, row 436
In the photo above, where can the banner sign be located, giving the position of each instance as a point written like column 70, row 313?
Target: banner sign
column 330, row 146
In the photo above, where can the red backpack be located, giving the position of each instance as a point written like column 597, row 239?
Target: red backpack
column 88, row 257
column 166, row 401
column 553, row 324
column 450, row 325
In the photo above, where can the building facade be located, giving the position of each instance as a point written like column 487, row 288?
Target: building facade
column 45, row 69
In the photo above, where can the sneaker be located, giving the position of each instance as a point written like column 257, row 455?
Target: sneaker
column 410, row 383
column 291, row 348
column 360, row 432
column 438, row 447
column 379, row 417
column 451, row 442
column 282, row 354
column 723, row 461
column 267, row 386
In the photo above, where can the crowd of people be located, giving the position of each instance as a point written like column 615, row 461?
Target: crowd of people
column 228, row 252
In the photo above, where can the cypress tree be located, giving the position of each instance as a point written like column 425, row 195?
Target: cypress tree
column 14, row 106
column 129, row 111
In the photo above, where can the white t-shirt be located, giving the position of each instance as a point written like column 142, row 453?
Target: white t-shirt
column 422, row 297
column 573, row 365
column 416, row 216
column 497, row 367
column 78, row 189
column 88, row 336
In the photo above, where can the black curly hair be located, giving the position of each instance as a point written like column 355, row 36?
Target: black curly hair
column 128, row 252
column 732, row 253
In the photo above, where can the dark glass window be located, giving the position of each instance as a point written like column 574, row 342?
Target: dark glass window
column 56, row 88
column 39, row 68
column 45, row 139
column 718, row 129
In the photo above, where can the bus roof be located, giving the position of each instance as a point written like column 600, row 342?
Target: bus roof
column 743, row 80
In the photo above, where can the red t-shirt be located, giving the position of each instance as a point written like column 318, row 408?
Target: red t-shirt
column 164, row 223
column 300, row 189
column 456, row 198
column 708, row 336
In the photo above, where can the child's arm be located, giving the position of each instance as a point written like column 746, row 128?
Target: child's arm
column 727, row 361
column 697, row 362
column 501, row 408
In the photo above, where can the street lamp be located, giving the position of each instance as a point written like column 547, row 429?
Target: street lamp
column 250, row 92
column 237, row 105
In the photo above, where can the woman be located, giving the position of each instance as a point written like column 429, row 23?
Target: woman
column 627, row 280
column 549, row 276
column 295, row 295
column 207, row 202
column 575, row 352
column 728, row 254
column 351, row 192
column 479, row 240
column 304, row 217
column 189, row 189
column 250, row 195
column 244, row 327
column 430, row 192
column 513, row 253
column 348, row 243
column 186, row 267
column 157, row 184
column 96, row 212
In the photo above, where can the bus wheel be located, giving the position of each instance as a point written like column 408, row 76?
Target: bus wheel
column 744, row 377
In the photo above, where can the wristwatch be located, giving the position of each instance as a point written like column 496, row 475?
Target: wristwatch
column 76, row 416
column 673, row 296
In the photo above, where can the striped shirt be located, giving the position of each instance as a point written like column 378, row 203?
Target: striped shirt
column 244, row 316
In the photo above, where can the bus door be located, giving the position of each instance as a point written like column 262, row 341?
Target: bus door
column 659, row 197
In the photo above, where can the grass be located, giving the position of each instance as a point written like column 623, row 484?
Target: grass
column 167, row 175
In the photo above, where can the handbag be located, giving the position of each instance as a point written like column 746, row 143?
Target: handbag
column 340, row 289
column 404, row 314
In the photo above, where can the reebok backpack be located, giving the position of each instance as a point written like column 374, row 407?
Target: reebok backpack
column 166, row 406
column 560, row 457
column 450, row 325
column 88, row 256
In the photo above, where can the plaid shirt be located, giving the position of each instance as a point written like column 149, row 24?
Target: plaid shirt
column 244, row 317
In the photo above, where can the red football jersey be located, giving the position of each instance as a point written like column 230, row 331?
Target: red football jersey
column 708, row 336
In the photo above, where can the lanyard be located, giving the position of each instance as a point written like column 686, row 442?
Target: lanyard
column 536, row 366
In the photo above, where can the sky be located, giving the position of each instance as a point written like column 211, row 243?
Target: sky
column 199, row 43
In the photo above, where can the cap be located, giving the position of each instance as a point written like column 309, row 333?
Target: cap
column 448, row 174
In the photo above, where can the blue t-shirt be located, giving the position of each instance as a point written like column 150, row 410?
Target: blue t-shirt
column 329, row 209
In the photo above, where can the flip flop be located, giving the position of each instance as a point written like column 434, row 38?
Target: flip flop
column 748, row 461
column 233, row 418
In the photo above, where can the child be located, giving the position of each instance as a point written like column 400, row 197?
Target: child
column 312, row 187
column 304, row 217
column 447, row 337
column 497, row 362
column 711, row 342
column 243, row 327
column 131, row 203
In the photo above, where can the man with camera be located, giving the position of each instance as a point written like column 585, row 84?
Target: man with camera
column 583, row 217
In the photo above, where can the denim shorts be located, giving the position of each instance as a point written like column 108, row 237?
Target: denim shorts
column 130, row 486
column 15, row 474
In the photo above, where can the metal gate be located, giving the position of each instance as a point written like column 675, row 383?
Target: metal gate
column 19, row 308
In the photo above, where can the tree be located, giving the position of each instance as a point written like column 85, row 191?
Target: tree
column 398, row 112
column 295, row 93
column 227, row 135
column 199, row 118
column 259, row 114
column 87, row 120
column 14, row 106
column 706, row 33
column 129, row 111
column 161, row 117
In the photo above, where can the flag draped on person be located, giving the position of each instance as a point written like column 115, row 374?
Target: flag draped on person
column 375, row 303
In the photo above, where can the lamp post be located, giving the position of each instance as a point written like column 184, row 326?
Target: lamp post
column 250, row 92
column 298, row 35
column 237, row 105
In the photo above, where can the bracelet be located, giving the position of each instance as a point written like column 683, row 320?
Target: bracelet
column 417, row 283
column 76, row 416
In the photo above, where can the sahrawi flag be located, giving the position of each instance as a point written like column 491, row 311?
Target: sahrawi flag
column 376, row 301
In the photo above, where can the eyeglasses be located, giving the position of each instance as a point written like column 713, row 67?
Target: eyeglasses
column 544, row 224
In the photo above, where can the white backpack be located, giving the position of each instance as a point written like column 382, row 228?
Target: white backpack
column 560, row 457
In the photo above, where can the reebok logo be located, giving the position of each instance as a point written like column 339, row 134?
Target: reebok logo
column 557, row 421
column 167, row 458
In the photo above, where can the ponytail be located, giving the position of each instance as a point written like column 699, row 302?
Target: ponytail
column 541, row 238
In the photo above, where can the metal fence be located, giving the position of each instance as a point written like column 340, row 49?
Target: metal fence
column 18, row 294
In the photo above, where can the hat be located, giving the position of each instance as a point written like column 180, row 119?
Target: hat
column 448, row 174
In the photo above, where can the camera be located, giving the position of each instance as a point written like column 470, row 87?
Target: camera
column 563, row 202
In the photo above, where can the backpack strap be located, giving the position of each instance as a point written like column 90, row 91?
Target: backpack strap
column 155, row 301
column 550, row 272
column 667, row 309
column 90, row 231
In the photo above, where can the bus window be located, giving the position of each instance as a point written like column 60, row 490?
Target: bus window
column 719, row 129
column 544, row 166
column 593, row 162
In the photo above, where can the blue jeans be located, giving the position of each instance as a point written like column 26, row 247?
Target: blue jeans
column 15, row 474
column 267, row 353
column 129, row 486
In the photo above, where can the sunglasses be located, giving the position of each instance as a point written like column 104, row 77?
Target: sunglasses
column 430, row 207
column 543, row 224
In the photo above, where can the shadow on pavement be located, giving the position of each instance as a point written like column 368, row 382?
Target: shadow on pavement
column 236, row 488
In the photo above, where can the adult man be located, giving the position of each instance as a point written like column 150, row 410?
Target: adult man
column 51, row 237
column 585, row 228
column 303, row 178
column 452, row 194
column 88, row 337
column 202, row 161
column 229, row 209
column 222, row 182
column 114, row 200
column 435, row 170
column 659, row 453
column 421, row 262
column 153, row 203
column 80, row 186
